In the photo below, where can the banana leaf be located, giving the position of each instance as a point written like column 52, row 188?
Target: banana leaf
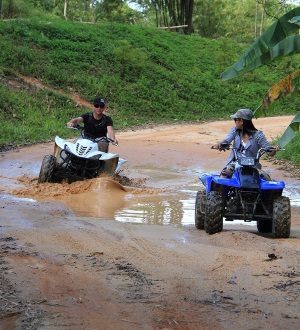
column 290, row 132
column 295, row 20
column 286, row 86
column 269, row 45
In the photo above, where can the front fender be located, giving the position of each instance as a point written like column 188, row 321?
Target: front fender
column 60, row 142
column 229, row 182
column 271, row 185
column 209, row 179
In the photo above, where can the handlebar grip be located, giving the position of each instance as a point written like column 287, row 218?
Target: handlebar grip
column 106, row 139
column 77, row 127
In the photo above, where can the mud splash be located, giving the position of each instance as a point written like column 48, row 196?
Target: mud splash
column 101, row 197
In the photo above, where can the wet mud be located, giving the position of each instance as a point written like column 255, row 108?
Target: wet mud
column 122, row 252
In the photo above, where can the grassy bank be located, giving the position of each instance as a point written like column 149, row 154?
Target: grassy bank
column 148, row 76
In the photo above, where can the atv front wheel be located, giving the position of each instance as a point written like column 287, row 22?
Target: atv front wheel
column 281, row 217
column 47, row 169
column 264, row 226
column 213, row 213
column 200, row 209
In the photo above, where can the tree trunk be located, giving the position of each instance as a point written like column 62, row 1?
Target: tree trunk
column 256, row 16
column 65, row 9
column 10, row 8
column 174, row 12
column 189, row 16
column 262, row 23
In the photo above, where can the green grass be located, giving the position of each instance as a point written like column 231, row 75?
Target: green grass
column 148, row 76
column 292, row 150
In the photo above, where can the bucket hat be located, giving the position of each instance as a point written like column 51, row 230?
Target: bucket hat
column 246, row 114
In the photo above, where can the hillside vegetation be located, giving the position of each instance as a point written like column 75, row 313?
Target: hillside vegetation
column 148, row 76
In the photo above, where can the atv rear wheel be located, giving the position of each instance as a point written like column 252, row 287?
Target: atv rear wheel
column 281, row 217
column 200, row 209
column 213, row 213
column 47, row 169
column 264, row 226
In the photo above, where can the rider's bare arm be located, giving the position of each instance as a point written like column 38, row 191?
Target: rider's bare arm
column 111, row 134
column 75, row 121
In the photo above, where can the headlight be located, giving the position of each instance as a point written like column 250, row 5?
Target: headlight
column 246, row 161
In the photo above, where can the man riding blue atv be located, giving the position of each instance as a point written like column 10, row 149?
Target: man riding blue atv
column 242, row 191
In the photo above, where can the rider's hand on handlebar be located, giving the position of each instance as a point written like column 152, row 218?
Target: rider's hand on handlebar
column 216, row 146
column 272, row 151
column 221, row 146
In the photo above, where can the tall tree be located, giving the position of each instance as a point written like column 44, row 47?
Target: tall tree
column 1, row 9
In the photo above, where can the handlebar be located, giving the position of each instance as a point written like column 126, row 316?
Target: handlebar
column 225, row 146
column 99, row 139
column 222, row 147
column 261, row 151
column 76, row 127
column 106, row 139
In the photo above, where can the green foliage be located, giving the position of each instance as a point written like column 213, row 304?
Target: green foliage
column 243, row 20
column 27, row 117
column 148, row 76
column 130, row 60
column 292, row 150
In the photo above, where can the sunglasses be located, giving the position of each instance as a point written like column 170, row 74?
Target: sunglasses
column 99, row 106
column 237, row 119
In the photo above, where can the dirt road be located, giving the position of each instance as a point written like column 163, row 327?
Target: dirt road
column 105, row 255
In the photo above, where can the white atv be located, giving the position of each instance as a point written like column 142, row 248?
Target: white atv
column 79, row 160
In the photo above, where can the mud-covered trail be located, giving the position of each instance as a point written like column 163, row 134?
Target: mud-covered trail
column 123, row 254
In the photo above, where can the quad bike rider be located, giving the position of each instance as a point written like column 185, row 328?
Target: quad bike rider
column 242, row 191
column 88, row 156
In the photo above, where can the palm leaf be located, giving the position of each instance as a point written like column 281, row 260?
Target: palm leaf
column 269, row 45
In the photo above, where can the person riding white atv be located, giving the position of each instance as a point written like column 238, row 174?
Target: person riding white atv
column 79, row 160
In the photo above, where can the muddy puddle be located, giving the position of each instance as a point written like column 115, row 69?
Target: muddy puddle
column 161, row 197
column 158, row 185
column 162, row 201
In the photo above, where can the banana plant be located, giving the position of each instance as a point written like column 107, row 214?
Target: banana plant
column 284, row 87
column 280, row 39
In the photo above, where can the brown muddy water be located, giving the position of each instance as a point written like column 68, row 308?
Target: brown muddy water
column 157, row 186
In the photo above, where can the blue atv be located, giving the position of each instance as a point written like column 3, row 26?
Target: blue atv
column 244, row 196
